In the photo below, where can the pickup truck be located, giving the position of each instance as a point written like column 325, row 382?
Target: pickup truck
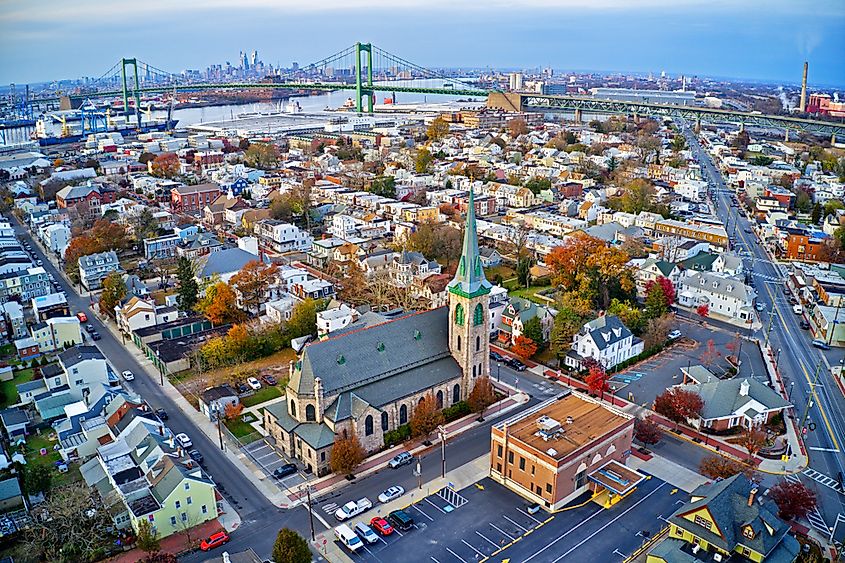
column 352, row 508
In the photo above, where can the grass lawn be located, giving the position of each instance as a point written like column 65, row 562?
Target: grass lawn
column 7, row 350
column 546, row 357
column 10, row 392
column 266, row 393
column 502, row 270
column 531, row 294
column 34, row 443
column 243, row 431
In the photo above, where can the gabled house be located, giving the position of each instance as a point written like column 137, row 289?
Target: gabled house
column 140, row 313
column 94, row 268
column 518, row 312
column 409, row 266
column 724, row 296
column 606, row 340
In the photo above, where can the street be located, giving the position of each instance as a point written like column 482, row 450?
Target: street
column 814, row 390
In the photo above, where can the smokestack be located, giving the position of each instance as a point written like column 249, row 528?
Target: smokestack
column 802, row 107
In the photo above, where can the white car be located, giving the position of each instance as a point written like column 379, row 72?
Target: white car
column 253, row 382
column 391, row 494
column 760, row 307
column 184, row 441
column 128, row 375
column 674, row 335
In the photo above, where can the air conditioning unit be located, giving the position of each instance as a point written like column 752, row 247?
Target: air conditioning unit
column 717, row 557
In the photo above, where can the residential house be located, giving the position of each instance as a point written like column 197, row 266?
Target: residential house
column 224, row 264
column 55, row 237
column 24, row 284
column 214, row 214
column 313, row 289
column 606, row 340
column 56, row 333
column 724, row 297
column 11, row 497
column 15, row 421
column 490, row 257
column 51, row 305
column 278, row 236
column 214, row 400
column 193, row 199
column 94, row 268
column 406, row 267
column 138, row 313
column 518, row 312
column 15, row 321
column 93, row 195
column 85, row 370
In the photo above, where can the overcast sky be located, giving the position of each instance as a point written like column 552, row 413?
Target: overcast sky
column 752, row 39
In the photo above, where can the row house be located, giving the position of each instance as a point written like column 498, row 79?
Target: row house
column 25, row 284
column 724, row 296
column 313, row 289
column 137, row 313
column 279, row 236
column 714, row 234
column 193, row 199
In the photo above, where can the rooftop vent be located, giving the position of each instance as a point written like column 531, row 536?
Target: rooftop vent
column 569, row 420
column 552, row 452
column 380, row 347
column 341, row 360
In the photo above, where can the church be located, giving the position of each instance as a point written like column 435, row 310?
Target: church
column 368, row 378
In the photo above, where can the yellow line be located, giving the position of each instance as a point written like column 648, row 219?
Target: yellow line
column 819, row 405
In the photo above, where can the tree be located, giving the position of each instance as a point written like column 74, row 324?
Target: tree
column 517, row 127
column 660, row 295
column 426, row 417
column 523, row 271
column 657, row 331
column 37, row 479
column 646, row 431
column 165, row 165
column 703, row 310
column 146, row 537
column 741, row 141
column 679, row 143
column 384, row 186
column 482, row 395
column 252, row 282
column 188, row 294
column 533, row 329
column 631, row 315
column 597, row 380
column 437, row 129
column 567, row 323
column 638, row 196
column 108, row 235
column 524, row 347
column 159, row 557
column 262, row 155
column 303, row 318
column 290, row 547
column 794, row 500
column 719, row 467
column 219, row 304
column 146, row 157
column 346, row 455
column 710, row 354
column 537, row 185
column 144, row 225
column 423, row 160
column 816, row 215
column 752, row 439
column 281, row 208
column 114, row 290
column 678, row 405
column 233, row 410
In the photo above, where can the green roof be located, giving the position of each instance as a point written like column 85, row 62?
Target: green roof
column 469, row 279
column 703, row 261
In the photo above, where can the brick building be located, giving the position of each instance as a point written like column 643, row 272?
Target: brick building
column 804, row 247
column 192, row 199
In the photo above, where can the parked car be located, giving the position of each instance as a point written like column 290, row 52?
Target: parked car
column 516, row 364
column 804, row 324
column 241, row 388
column 381, row 526
column 90, row 328
column 269, row 379
column 83, row 318
column 284, row 470
column 347, row 537
column 95, row 335
column 495, row 356
column 760, row 306
column 184, row 440
column 391, row 493
column 366, row 533
column 821, row 344
column 128, row 375
column 400, row 520
column 401, row 459
column 161, row 414
column 254, row 383
column 353, row 508
column 214, row 540
column 196, row 456
column 797, row 309
column 674, row 335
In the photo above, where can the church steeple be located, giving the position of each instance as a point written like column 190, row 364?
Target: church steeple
column 469, row 280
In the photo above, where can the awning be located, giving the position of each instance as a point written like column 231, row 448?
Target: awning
column 616, row 478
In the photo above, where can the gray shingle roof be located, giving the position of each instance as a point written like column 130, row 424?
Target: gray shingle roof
column 353, row 359
column 724, row 397
column 606, row 331
column 9, row 488
column 316, row 435
column 76, row 354
column 226, row 261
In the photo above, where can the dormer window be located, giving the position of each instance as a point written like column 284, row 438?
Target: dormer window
column 748, row 532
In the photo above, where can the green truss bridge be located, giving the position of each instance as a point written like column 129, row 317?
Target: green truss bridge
column 364, row 69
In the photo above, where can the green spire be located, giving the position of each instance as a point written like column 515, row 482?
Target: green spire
column 469, row 280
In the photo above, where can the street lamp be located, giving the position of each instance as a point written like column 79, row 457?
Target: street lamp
column 499, row 372
column 160, row 369
column 310, row 511
column 777, row 357
column 442, row 433
column 791, row 387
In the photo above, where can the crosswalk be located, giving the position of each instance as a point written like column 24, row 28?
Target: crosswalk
column 825, row 480
column 814, row 517
column 330, row 508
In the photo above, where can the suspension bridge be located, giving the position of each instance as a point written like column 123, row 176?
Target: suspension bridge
column 364, row 69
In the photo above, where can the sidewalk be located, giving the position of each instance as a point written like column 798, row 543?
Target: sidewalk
column 456, row 479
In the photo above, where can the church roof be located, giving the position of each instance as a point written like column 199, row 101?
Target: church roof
column 355, row 358
column 469, row 279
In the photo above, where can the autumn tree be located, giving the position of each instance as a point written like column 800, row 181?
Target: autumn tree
column 165, row 165
column 703, row 310
column 290, row 547
column 422, row 160
column 233, row 410
column 219, row 304
column 567, row 323
column 114, row 290
column 262, row 155
column 656, row 331
column 597, row 380
column 252, row 282
column 346, row 455
column 678, row 405
column 188, row 294
column 752, row 439
column 108, row 235
column 517, row 126
column 437, row 129
column 426, row 417
column 482, row 395
column 533, row 329
column 303, row 318
column 146, row 537
column 647, row 431
column 660, row 295
column 637, row 196
column 710, row 354
column 719, row 467
column 631, row 315
column 524, row 347
column 794, row 499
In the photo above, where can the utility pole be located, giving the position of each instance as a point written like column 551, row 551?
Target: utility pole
column 442, row 432
column 835, row 321
column 310, row 512
column 810, row 394
column 217, row 415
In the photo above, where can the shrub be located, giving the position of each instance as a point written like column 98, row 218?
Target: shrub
column 456, row 411
column 398, row 435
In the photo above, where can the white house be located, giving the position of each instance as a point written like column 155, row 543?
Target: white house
column 605, row 340
column 724, row 296
column 94, row 268
column 282, row 237
column 85, row 371
column 56, row 237
column 331, row 320
column 137, row 313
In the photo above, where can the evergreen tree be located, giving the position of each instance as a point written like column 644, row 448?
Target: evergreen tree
column 290, row 547
column 188, row 289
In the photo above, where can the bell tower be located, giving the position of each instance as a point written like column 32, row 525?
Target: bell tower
column 469, row 337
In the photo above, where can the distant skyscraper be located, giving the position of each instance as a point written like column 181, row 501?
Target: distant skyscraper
column 515, row 81
column 253, row 59
column 295, row 66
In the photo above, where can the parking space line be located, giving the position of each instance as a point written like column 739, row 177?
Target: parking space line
column 503, row 532
column 455, row 554
column 488, row 540
column 572, row 529
column 514, row 523
column 472, row 548
column 423, row 513
column 524, row 512
column 434, row 505
column 433, row 559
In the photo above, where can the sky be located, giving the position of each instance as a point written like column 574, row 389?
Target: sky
column 744, row 39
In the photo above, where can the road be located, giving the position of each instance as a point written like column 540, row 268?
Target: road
column 806, row 372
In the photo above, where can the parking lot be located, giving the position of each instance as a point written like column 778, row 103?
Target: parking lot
column 269, row 459
column 480, row 522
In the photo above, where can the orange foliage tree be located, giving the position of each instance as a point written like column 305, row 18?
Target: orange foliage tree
column 524, row 347
column 165, row 165
column 219, row 304
column 252, row 282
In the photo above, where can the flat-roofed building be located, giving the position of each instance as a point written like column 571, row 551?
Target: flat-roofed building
column 554, row 452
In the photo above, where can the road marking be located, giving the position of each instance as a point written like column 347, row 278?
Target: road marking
column 433, row 559
column 423, row 513
column 581, row 523
column 434, row 505
column 330, row 508
column 823, row 479
column 627, row 510
column 488, row 540
column 514, row 523
column 526, row 513
column 503, row 532
column 814, row 448
column 472, row 548
column 456, row 555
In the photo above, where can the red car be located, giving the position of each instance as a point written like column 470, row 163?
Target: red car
column 214, row 540
column 381, row 525
column 83, row 318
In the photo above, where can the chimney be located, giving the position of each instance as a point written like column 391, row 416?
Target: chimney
column 751, row 495
column 743, row 388
column 802, row 106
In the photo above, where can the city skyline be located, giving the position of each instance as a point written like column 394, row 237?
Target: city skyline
column 689, row 37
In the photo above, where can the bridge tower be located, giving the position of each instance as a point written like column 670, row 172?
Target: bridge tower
column 362, row 87
column 136, row 88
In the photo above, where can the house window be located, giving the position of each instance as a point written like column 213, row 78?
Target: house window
column 459, row 343
column 703, row 522
column 189, row 500
column 187, row 486
column 178, row 505
column 368, row 425
column 184, row 517
column 549, row 488
column 323, row 456
column 456, row 393
column 521, row 463
column 499, row 451
column 510, row 457
column 580, row 479
column 172, row 520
